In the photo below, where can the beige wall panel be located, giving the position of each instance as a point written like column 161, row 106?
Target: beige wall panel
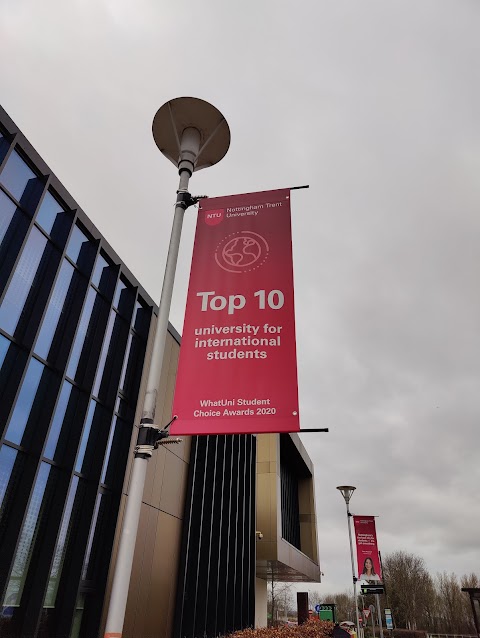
column 161, row 596
column 137, row 573
column 265, row 506
column 263, row 448
column 144, row 582
column 266, row 550
column 263, row 468
column 175, row 475
column 158, row 480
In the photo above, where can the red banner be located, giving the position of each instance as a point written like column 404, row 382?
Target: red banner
column 237, row 371
column 369, row 568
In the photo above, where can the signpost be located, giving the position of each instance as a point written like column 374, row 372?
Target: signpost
column 326, row 612
column 389, row 619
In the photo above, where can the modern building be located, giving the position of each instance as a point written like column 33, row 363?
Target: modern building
column 220, row 515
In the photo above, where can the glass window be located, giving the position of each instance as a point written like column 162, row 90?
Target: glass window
column 100, row 266
column 57, row 420
column 75, row 245
column 91, row 536
column 53, row 218
column 141, row 319
column 81, row 334
column 25, row 399
column 4, row 144
column 66, row 526
column 120, row 288
column 85, row 435
column 113, row 470
column 81, row 250
column 16, row 175
column 27, row 540
column 7, row 210
column 104, row 353
column 125, row 362
column 4, row 346
column 54, row 310
column 94, row 439
column 101, row 530
column 22, row 281
column 7, row 460
column 20, row 180
column 104, row 276
column 132, row 366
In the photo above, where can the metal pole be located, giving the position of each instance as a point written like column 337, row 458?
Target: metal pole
column 349, row 516
column 147, row 432
column 373, row 621
column 379, row 614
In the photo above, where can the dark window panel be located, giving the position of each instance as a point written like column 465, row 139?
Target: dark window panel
column 26, row 541
column 14, row 224
column 88, row 340
column 18, row 482
column 133, row 365
column 111, row 358
column 4, row 146
column 124, row 299
column 21, row 181
column 58, row 420
column 41, row 529
column 33, row 408
column 104, row 276
column 94, row 441
column 22, row 281
column 4, row 346
column 7, row 461
column 141, row 319
column 81, row 250
column 118, row 445
column 27, row 293
column 61, row 321
column 95, row 569
column 11, row 372
column 7, row 211
column 54, row 310
column 52, row 217
column 24, row 403
column 69, row 519
column 66, row 428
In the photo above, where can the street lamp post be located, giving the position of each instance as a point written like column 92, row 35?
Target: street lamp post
column 347, row 491
column 192, row 134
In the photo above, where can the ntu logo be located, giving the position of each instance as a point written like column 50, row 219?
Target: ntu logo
column 214, row 217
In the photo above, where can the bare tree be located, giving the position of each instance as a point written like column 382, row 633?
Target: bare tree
column 279, row 601
column 411, row 592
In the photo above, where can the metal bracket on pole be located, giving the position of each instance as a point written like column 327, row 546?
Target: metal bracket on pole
column 150, row 437
column 185, row 199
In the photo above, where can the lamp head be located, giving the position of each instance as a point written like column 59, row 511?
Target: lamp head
column 347, row 491
column 191, row 133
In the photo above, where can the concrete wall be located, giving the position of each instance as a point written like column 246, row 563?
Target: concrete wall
column 260, row 602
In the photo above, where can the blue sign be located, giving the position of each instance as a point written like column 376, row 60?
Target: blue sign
column 317, row 608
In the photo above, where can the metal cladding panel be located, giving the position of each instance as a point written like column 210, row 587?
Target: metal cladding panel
column 216, row 584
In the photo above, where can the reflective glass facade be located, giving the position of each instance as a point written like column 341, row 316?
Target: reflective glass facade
column 73, row 332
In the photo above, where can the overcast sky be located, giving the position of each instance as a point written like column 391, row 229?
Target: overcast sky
column 376, row 105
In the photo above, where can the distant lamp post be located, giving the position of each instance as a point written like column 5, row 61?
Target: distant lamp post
column 193, row 135
column 347, row 491
column 474, row 593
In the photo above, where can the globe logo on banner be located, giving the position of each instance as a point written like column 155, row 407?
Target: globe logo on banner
column 241, row 252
